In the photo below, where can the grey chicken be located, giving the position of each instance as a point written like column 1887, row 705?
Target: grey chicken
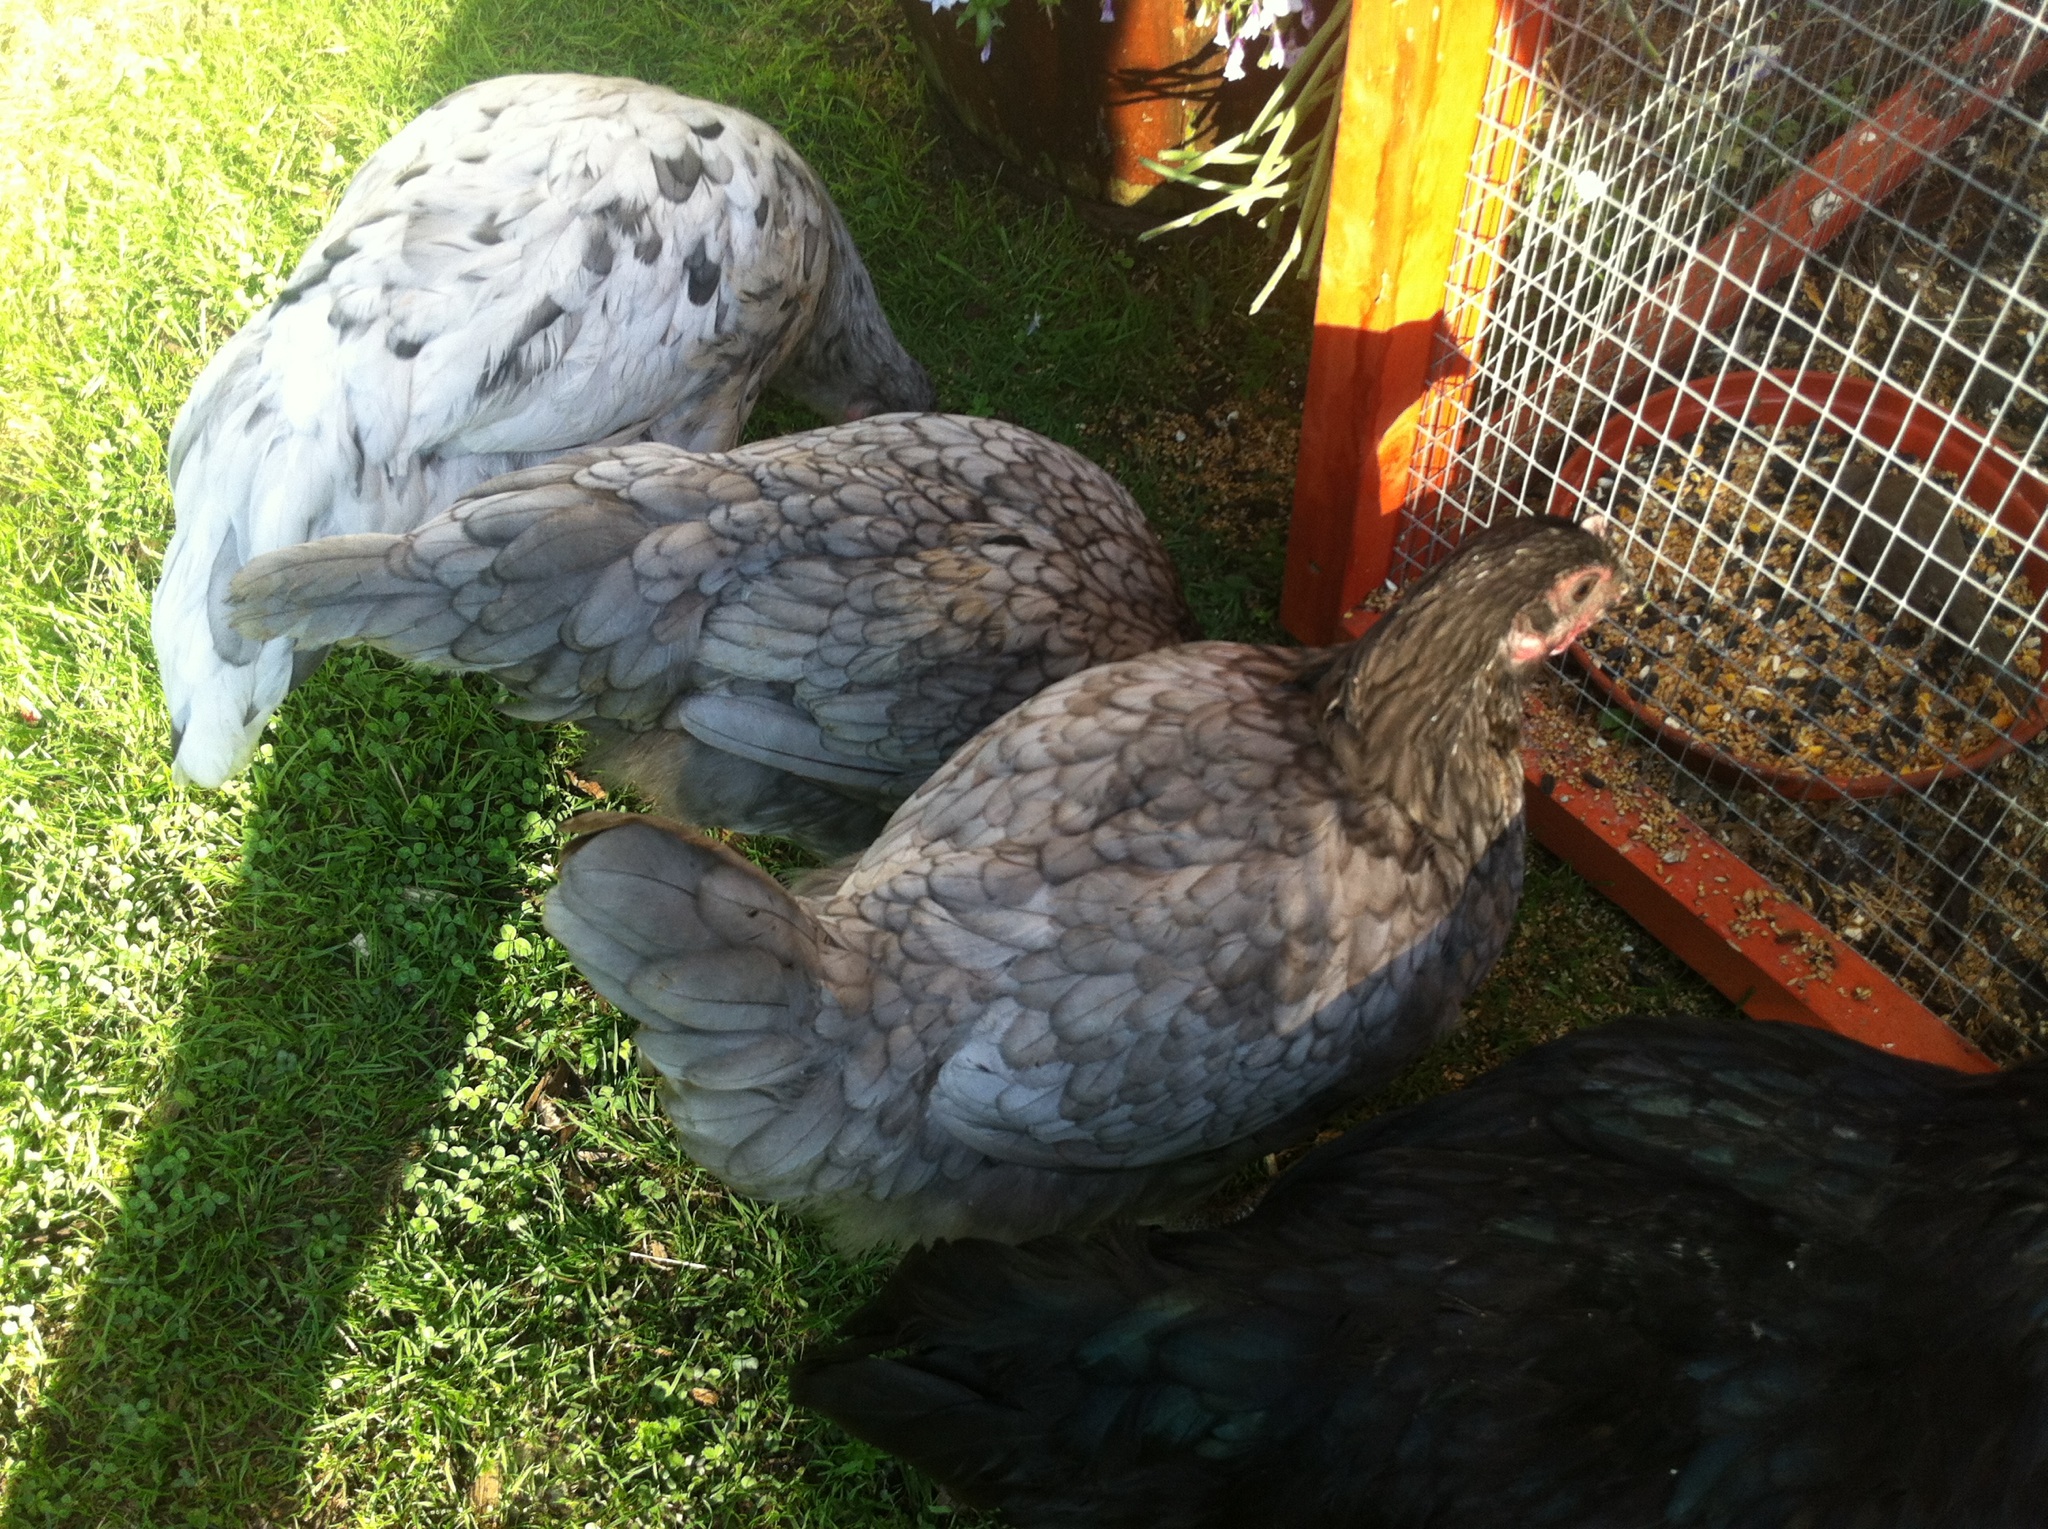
column 536, row 263
column 786, row 638
column 1666, row 1272
column 1900, row 531
column 1155, row 920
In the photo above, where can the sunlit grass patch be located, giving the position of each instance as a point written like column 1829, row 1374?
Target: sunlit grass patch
column 327, row 1194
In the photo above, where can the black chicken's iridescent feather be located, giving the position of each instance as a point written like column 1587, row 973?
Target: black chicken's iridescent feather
column 1670, row 1272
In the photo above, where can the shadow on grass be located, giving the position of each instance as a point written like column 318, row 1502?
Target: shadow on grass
column 383, row 849
column 391, row 837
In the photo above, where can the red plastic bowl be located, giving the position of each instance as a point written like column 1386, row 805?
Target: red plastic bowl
column 1992, row 480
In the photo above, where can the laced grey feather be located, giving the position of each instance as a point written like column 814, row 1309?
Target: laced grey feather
column 786, row 638
column 1153, row 921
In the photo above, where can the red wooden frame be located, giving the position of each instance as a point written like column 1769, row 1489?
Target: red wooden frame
column 1427, row 144
column 1712, row 910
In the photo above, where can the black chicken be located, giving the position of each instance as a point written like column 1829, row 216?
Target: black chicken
column 1667, row 1272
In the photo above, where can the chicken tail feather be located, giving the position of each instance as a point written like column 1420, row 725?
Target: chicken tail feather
column 1068, row 1380
column 239, row 491
column 724, row 972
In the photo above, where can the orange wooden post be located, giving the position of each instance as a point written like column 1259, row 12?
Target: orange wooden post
column 1414, row 78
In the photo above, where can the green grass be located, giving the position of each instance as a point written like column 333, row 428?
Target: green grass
column 326, row 1194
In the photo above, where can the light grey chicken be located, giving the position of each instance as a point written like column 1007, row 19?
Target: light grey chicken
column 538, row 262
column 1900, row 531
column 1154, row 921
column 787, row 638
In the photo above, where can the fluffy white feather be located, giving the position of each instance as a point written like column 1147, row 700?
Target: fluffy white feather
column 537, row 263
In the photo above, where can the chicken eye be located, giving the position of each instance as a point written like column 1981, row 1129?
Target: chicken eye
column 1583, row 590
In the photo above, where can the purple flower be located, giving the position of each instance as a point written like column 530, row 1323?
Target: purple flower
column 1108, row 10
column 1755, row 66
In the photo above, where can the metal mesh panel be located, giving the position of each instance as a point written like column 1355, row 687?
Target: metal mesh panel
column 1771, row 290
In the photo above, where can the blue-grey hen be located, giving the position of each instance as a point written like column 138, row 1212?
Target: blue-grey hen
column 1718, row 1274
column 786, row 638
column 1902, row 532
column 536, row 263
column 1154, row 919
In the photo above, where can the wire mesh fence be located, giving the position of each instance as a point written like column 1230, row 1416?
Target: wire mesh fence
column 1766, row 283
